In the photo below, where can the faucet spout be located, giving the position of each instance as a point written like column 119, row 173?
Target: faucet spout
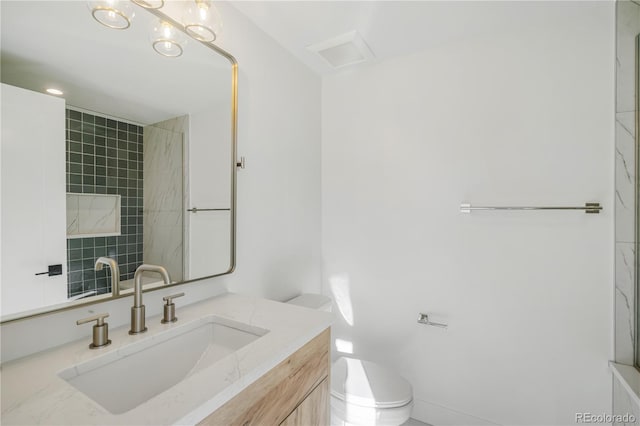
column 115, row 272
column 137, row 310
column 137, row 280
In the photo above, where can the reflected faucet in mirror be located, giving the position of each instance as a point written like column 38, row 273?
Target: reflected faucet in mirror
column 115, row 273
column 137, row 310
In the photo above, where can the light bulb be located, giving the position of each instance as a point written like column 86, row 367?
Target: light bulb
column 203, row 11
column 167, row 40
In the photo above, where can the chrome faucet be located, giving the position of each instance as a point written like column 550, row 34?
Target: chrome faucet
column 115, row 272
column 137, row 310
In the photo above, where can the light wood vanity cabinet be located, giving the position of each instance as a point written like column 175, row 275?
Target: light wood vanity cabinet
column 294, row 393
column 313, row 410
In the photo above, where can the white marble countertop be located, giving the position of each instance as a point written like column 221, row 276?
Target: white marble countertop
column 33, row 393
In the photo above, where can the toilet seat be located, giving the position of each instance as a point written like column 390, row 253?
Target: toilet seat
column 343, row 414
column 368, row 384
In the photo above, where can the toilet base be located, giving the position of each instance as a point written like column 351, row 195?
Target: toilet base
column 343, row 414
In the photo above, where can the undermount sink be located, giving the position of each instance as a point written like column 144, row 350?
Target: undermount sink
column 121, row 380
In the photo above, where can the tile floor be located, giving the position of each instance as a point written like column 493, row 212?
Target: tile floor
column 413, row 422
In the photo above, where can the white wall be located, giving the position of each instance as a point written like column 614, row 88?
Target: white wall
column 210, row 231
column 34, row 227
column 524, row 118
column 278, row 239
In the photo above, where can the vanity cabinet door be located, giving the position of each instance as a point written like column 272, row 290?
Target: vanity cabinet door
column 298, row 382
column 313, row 411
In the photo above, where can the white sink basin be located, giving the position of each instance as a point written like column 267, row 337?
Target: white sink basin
column 123, row 379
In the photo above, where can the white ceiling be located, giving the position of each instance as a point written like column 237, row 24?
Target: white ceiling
column 117, row 72
column 392, row 28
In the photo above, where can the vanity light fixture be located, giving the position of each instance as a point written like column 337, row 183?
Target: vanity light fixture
column 116, row 14
column 166, row 40
column 53, row 91
column 149, row 4
column 201, row 20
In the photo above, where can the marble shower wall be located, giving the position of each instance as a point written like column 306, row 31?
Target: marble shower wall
column 624, row 404
column 628, row 27
column 163, row 195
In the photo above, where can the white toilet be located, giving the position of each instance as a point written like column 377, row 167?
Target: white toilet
column 362, row 392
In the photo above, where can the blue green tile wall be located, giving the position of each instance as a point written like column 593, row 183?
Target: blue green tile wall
column 104, row 156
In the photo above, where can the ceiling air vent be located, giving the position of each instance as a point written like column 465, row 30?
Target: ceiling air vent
column 343, row 50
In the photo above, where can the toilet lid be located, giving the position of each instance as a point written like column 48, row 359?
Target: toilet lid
column 368, row 384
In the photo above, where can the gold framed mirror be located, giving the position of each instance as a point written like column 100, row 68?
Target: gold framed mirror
column 138, row 166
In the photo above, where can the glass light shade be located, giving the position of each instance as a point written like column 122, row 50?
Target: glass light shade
column 201, row 21
column 116, row 14
column 149, row 4
column 167, row 40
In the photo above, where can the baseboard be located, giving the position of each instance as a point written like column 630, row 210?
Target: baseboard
column 437, row 415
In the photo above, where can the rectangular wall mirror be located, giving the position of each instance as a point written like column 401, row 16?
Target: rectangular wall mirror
column 134, row 162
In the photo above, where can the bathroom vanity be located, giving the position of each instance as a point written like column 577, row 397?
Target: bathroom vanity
column 230, row 359
column 296, row 392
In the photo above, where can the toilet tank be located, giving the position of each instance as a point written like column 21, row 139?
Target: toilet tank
column 312, row 301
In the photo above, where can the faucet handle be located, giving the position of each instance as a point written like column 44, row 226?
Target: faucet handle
column 170, row 308
column 169, row 299
column 99, row 318
column 100, row 330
